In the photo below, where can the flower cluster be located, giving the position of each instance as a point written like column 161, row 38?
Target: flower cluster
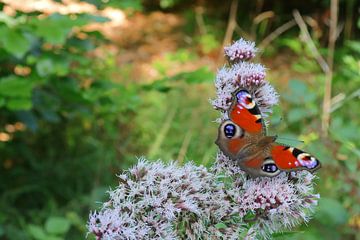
column 241, row 50
column 275, row 203
column 242, row 74
column 158, row 201
column 167, row 201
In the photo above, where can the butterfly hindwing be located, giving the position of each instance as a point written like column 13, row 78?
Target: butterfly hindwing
column 291, row 159
column 260, row 166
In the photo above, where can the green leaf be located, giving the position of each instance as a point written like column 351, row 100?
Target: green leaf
column 298, row 88
column 37, row 232
column 250, row 216
column 221, row 225
column 299, row 93
column 331, row 212
column 29, row 119
column 19, row 104
column 2, row 231
column 167, row 3
column 293, row 44
column 2, row 101
column 208, row 43
column 297, row 114
column 127, row 4
column 198, row 76
column 14, row 41
column 52, row 65
column 286, row 235
column 54, row 238
column 353, row 45
column 44, row 67
column 56, row 28
column 76, row 219
column 57, row 225
column 8, row 20
column 13, row 86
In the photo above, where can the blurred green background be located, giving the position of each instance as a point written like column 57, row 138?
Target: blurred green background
column 86, row 86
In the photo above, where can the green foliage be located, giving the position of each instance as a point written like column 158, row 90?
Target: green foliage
column 339, row 153
column 71, row 119
column 16, row 93
column 53, row 94
column 331, row 213
column 168, row 3
column 208, row 43
column 55, row 228
column 14, row 41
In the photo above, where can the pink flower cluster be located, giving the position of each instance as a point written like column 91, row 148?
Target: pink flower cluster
column 241, row 50
column 276, row 203
column 164, row 201
column 167, row 201
column 242, row 74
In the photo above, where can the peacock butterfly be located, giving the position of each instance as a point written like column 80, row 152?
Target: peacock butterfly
column 243, row 138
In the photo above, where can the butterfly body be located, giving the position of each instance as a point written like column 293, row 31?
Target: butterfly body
column 243, row 138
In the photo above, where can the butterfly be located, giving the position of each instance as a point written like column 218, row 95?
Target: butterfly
column 242, row 137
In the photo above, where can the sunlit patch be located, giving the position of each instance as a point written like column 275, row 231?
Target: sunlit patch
column 4, row 137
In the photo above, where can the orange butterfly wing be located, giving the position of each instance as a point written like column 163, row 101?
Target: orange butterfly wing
column 244, row 120
column 290, row 159
column 243, row 138
column 245, row 113
column 230, row 138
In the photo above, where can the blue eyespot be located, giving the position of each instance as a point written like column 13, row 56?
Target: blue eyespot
column 270, row 168
column 243, row 93
column 229, row 130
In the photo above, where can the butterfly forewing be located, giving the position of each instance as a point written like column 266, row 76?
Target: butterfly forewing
column 231, row 138
column 245, row 113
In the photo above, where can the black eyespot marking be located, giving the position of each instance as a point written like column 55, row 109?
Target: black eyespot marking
column 258, row 121
column 286, row 148
column 229, row 130
column 269, row 167
column 255, row 110
column 296, row 152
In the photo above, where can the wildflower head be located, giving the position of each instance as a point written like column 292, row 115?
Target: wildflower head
column 240, row 50
column 242, row 74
